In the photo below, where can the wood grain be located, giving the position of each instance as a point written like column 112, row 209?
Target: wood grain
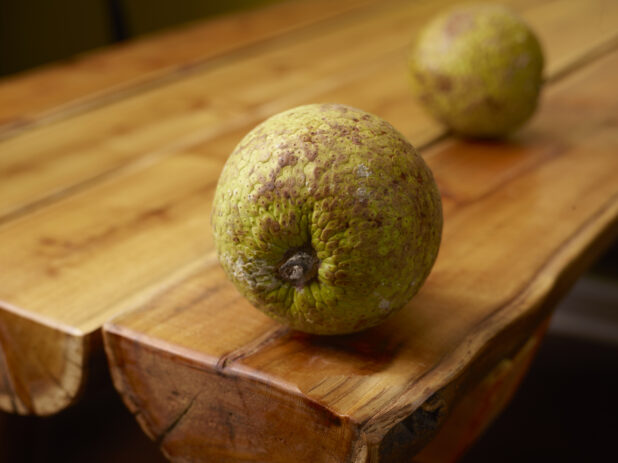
column 340, row 60
column 41, row 364
column 212, row 379
column 52, row 159
column 67, row 88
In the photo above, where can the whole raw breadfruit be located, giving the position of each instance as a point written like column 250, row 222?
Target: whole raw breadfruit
column 326, row 219
column 478, row 69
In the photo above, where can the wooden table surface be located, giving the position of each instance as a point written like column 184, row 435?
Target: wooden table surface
column 108, row 166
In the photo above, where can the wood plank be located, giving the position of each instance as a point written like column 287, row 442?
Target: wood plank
column 98, row 251
column 139, row 228
column 48, row 162
column 63, row 89
column 210, row 378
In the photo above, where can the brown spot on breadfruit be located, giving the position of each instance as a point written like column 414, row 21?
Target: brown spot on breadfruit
column 310, row 151
column 287, row 159
column 458, row 23
column 443, row 83
column 266, row 187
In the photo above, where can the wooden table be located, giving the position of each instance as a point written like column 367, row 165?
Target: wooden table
column 108, row 166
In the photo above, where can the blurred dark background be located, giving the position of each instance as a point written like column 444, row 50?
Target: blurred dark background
column 35, row 32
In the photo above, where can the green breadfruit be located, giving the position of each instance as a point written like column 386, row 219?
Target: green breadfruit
column 478, row 69
column 326, row 219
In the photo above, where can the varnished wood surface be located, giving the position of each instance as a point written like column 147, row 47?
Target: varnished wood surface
column 340, row 60
column 522, row 219
column 61, row 90
column 107, row 179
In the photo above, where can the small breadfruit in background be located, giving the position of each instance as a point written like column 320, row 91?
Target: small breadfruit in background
column 478, row 70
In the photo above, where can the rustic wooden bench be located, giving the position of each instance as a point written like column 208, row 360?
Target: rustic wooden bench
column 108, row 166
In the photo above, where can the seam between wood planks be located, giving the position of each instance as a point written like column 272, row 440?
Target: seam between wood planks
column 589, row 57
column 154, row 290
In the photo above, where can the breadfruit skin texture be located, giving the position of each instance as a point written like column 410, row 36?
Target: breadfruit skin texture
column 341, row 185
column 478, row 70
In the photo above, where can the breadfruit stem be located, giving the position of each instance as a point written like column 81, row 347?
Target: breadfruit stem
column 299, row 268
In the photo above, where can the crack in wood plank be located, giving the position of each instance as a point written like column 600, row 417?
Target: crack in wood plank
column 161, row 437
